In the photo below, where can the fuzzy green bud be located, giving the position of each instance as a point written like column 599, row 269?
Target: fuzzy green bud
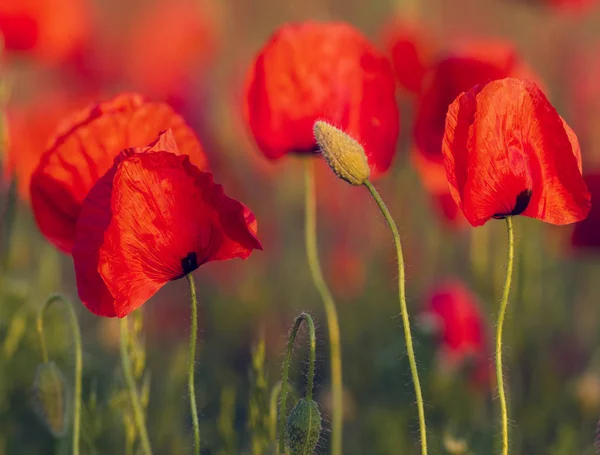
column 303, row 428
column 49, row 396
column 345, row 156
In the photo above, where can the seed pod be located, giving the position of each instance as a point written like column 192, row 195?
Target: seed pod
column 303, row 428
column 49, row 396
column 345, row 156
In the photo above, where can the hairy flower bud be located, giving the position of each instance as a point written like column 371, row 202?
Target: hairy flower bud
column 49, row 396
column 303, row 428
column 345, row 156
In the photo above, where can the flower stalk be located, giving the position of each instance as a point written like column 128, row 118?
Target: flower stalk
column 76, row 333
column 134, row 397
column 304, row 317
column 192, row 362
column 499, row 326
column 330, row 309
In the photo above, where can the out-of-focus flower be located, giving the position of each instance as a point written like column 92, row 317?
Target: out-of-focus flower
column 322, row 71
column 471, row 63
column 84, row 149
column 586, row 233
column 30, row 128
column 508, row 152
column 171, row 43
column 452, row 313
column 49, row 30
column 152, row 218
column 412, row 49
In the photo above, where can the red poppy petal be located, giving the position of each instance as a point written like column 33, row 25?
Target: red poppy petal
column 84, row 149
column 507, row 152
column 166, row 218
column 296, row 80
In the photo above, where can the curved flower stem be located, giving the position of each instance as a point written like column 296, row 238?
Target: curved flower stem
column 330, row 310
column 74, row 323
column 192, row 363
column 404, row 314
column 138, row 413
column 286, row 369
column 501, row 315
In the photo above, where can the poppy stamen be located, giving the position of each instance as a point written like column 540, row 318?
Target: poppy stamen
column 189, row 263
column 521, row 204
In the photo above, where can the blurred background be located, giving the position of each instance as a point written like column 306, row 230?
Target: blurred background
column 61, row 55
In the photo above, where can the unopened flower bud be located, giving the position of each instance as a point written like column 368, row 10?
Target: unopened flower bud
column 303, row 428
column 345, row 156
column 49, row 395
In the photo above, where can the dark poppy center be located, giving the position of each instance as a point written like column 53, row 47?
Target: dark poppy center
column 521, row 204
column 189, row 263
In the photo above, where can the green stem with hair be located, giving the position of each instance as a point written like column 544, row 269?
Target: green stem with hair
column 286, row 370
column 192, row 362
column 330, row 310
column 134, row 397
column 404, row 314
column 74, row 323
column 501, row 317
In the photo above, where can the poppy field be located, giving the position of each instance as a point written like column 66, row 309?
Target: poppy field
column 299, row 227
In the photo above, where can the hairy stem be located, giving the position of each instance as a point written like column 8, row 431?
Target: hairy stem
column 138, row 413
column 330, row 310
column 74, row 323
column 192, row 363
column 286, row 370
column 501, row 316
column 404, row 314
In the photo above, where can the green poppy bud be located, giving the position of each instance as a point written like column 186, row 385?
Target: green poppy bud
column 303, row 428
column 345, row 156
column 49, row 396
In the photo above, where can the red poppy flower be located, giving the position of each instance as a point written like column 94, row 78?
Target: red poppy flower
column 453, row 314
column 84, row 149
column 472, row 63
column 586, row 233
column 30, row 128
column 508, row 152
column 153, row 218
column 327, row 71
column 412, row 51
column 51, row 29
column 170, row 42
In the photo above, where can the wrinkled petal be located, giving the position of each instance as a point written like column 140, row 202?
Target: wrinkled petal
column 322, row 71
column 507, row 152
column 153, row 218
column 84, row 149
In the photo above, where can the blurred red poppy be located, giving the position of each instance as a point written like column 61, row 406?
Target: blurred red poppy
column 508, row 152
column 152, row 218
column 30, row 128
column 452, row 313
column 472, row 63
column 328, row 71
column 586, row 233
column 51, row 30
column 412, row 49
column 170, row 43
column 84, row 149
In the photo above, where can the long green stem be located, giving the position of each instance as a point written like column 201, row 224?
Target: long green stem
column 74, row 323
column 501, row 315
column 286, row 370
column 138, row 413
column 192, row 363
column 275, row 392
column 404, row 314
column 330, row 310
